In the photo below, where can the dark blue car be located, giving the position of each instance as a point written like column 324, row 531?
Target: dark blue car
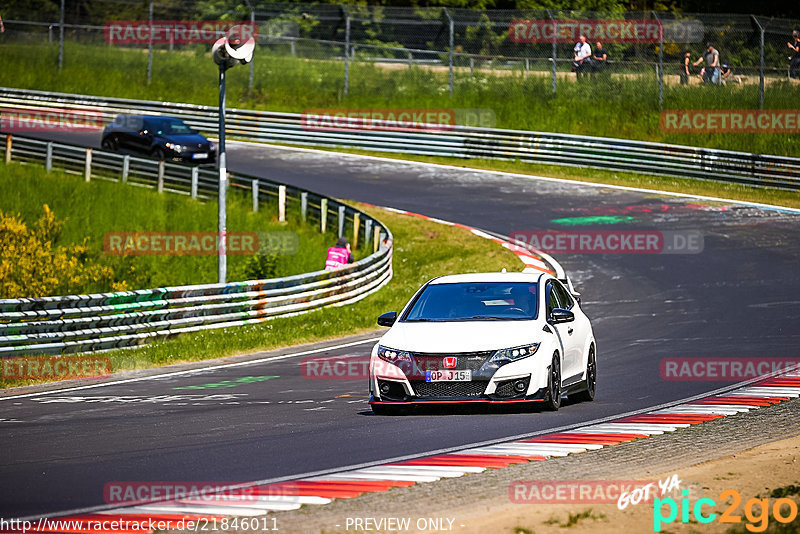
column 158, row 137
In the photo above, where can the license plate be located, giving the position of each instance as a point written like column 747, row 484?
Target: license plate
column 445, row 375
column 199, row 155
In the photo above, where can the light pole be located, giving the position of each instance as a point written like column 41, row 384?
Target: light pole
column 227, row 52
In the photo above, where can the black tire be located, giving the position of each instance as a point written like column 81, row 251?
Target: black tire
column 385, row 409
column 158, row 154
column 587, row 394
column 110, row 143
column 553, row 399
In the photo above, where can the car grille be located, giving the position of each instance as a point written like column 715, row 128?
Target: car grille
column 448, row 389
column 464, row 360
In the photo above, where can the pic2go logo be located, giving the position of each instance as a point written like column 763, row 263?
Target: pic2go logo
column 756, row 511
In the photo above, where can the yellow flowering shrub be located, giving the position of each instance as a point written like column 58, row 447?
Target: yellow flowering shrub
column 32, row 266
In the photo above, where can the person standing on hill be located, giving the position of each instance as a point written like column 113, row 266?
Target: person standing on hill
column 711, row 58
column 794, row 61
column 581, row 58
column 685, row 72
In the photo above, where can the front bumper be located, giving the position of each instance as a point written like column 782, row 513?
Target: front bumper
column 507, row 384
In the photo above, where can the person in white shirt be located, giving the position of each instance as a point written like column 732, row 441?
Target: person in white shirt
column 582, row 58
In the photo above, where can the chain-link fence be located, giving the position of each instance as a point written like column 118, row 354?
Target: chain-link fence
column 415, row 53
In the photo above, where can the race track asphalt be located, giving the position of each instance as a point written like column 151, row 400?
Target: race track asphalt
column 736, row 298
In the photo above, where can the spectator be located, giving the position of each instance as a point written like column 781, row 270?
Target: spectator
column 339, row 255
column 581, row 58
column 599, row 58
column 711, row 71
column 685, row 72
column 727, row 74
column 794, row 61
column 2, row 28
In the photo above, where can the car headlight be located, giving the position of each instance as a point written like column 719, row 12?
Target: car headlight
column 393, row 356
column 514, row 354
column 175, row 147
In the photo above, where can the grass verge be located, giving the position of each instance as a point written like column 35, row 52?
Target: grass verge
column 617, row 107
column 422, row 250
column 89, row 211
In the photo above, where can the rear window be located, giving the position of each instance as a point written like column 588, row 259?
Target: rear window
column 475, row 301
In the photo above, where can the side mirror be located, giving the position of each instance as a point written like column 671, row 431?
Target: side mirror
column 560, row 315
column 387, row 319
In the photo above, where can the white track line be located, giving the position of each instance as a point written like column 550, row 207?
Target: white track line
column 192, row 371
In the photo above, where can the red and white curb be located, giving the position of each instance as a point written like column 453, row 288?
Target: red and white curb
column 291, row 495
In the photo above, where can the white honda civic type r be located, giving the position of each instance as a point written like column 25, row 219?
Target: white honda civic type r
column 485, row 338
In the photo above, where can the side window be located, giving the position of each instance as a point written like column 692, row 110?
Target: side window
column 553, row 300
column 563, row 296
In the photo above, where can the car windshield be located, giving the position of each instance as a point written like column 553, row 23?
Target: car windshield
column 169, row 127
column 475, row 301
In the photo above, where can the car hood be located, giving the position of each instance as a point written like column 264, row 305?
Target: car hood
column 186, row 139
column 461, row 336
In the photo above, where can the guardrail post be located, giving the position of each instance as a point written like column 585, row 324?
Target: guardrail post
column 527, row 68
column 8, row 148
column 356, row 224
column 161, row 176
column 48, row 158
column 281, row 203
column 304, row 206
column 87, row 172
column 376, row 241
column 367, row 230
column 195, row 175
column 341, row 221
column 126, row 167
column 292, row 44
column 323, row 215
column 255, row 195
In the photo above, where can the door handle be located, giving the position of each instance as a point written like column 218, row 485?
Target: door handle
column 569, row 331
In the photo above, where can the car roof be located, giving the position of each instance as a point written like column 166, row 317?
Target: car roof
column 488, row 277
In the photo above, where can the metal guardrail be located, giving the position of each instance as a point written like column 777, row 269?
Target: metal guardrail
column 86, row 323
column 459, row 141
